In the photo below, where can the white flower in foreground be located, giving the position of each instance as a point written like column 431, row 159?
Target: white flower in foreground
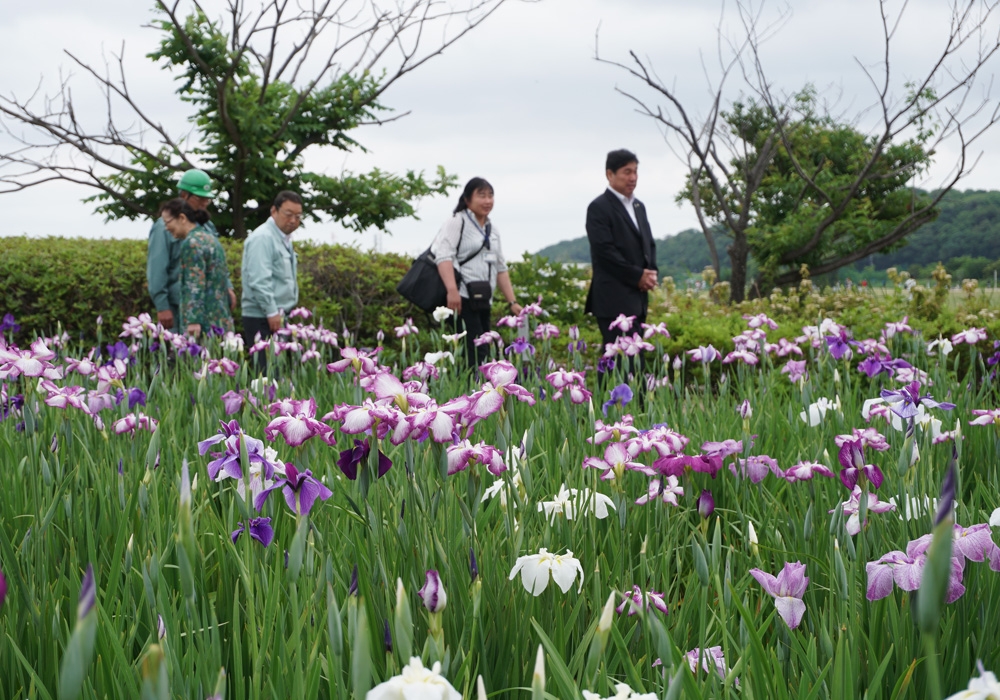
column 499, row 488
column 986, row 687
column 432, row 358
column 914, row 507
column 563, row 503
column 415, row 683
column 995, row 518
column 441, row 313
column 622, row 692
column 536, row 568
column 454, row 337
column 570, row 502
column 943, row 343
column 817, row 411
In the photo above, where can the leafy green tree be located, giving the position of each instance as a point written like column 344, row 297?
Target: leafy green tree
column 795, row 186
column 811, row 206
column 265, row 88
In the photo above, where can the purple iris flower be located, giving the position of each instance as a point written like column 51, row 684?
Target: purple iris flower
column 217, row 331
column 9, row 324
column 229, row 460
column 840, row 345
column 433, row 593
column 852, row 458
column 232, row 401
column 520, row 346
column 473, row 566
column 706, row 504
column 894, row 567
column 88, row 593
column 352, row 587
column 260, row 530
column 949, row 488
column 620, row 395
column 796, row 370
column 756, row 467
column 352, row 457
column 905, row 402
column 118, row 351
column 745, row 410
column 787, row 590
column 299, row 488
column 606, row 364
column 876, row 364
column 387, row 638
column 136, row 396
column 13, row 404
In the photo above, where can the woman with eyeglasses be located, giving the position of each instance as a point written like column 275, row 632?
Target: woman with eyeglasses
column 469, row 244
column 204, row 285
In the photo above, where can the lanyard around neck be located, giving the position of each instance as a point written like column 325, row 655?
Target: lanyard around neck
column 485, row 234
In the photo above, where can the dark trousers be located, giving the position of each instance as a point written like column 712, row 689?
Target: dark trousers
column 253, row 325
column 475, row 323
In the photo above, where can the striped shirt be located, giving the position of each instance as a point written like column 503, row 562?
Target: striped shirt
column 483, row 266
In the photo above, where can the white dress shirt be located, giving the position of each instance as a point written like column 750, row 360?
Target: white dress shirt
column 629, row 203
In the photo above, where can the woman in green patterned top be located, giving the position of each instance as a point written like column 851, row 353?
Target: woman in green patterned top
column 204, row 277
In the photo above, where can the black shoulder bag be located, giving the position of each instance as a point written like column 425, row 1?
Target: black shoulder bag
column 422, row 284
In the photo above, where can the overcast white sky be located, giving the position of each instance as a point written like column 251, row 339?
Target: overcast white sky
column 520, row 101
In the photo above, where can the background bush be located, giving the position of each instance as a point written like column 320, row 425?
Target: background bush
column 48, row 283
column 51, row 281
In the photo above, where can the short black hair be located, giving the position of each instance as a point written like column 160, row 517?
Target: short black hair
column 619, row 159
column 287, row 196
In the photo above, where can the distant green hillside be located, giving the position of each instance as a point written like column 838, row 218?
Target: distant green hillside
column 965, row 237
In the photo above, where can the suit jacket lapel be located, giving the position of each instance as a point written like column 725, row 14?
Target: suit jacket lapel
column 617, row 204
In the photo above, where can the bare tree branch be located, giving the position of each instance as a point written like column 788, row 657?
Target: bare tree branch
column 308, row 45
column 937, row 108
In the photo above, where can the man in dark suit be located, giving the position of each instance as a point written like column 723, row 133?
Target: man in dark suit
column 622, row 251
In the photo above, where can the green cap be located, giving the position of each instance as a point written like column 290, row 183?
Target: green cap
column 197, row 182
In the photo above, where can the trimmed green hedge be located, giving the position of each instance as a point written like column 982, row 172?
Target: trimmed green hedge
column 48, row 283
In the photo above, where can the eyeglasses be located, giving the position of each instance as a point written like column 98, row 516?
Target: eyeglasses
column 295, row 215
column 170, row 220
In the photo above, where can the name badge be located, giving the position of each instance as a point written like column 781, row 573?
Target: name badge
column 491, row 258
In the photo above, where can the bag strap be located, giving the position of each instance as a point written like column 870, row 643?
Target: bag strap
column 467, row 259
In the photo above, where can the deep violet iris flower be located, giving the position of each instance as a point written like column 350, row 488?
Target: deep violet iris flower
column 9, row 323
column 852, row 458
column 118, row 351
column 350, row 459
column 260, row 530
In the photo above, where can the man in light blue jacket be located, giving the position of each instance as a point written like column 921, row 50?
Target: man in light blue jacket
column 270, row 286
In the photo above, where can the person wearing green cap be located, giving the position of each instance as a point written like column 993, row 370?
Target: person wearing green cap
column 163, row 251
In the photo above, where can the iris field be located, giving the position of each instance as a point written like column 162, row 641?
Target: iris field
column 812, row 515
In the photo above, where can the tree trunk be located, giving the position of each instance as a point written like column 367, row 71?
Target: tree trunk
column 738, row 251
